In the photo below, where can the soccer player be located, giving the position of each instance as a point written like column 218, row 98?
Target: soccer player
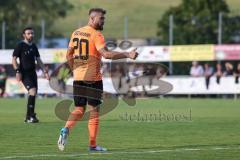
column 85, row 50
column 27, row 53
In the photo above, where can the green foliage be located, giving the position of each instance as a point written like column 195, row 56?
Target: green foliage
column 19, row 14
column 142, row 17
column 196, row 22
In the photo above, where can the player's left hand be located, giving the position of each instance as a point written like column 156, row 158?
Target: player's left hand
column 47, row 76
column 19, row 77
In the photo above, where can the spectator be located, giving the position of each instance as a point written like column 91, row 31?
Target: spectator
column 208, row 72
column 237, row 74
column 196, row 70
column 3, row 79
column 228, row 69
column 119, row 74
column 160, row 72
column 219, row 72
column 63, row 75
column 150, row 71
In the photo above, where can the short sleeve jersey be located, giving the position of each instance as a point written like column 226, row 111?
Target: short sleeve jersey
column 87, row 42
column 27, row 54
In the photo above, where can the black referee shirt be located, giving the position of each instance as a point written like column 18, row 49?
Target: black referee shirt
column 27, row 54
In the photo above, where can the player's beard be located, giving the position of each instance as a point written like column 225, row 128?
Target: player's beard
column 100, row 27
column 30, row 39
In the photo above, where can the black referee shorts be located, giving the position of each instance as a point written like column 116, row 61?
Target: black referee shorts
column 29, row 80
column 87, row 92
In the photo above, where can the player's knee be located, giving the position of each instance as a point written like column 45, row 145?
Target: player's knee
column 32, row 91
column 79, row 110
column 94, row 108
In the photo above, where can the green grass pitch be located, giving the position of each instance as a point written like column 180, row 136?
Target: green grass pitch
column 188, row 129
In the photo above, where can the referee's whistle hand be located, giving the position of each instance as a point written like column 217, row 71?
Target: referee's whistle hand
column 18, row 77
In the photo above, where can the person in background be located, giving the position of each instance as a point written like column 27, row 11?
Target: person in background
column 160, row 72
column 119, row 74
column 228, row 69
column 150, row 71
column 3, row 79
column 63, row 75
column 237, row 74
column 219, row 72
column 196, row 70
column 27, row 53
column 208, row 72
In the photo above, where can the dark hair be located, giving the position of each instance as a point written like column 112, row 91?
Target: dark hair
column 27, row 28
column 100, row 10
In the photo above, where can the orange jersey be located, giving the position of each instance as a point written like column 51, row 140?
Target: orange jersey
column 87, row 42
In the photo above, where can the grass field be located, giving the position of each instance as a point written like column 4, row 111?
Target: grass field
column 204, row 129
column 142, row 16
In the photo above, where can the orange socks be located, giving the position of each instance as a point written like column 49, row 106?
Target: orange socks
column 75, row 116
column 93, row 124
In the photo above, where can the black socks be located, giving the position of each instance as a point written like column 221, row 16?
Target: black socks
column 30, row 106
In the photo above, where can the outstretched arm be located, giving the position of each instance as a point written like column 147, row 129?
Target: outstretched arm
column 114, row 55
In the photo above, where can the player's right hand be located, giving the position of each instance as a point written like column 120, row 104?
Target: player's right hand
column 18, row 77
column 133, row 54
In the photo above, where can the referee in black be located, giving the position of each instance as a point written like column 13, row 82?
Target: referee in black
column 27, row 53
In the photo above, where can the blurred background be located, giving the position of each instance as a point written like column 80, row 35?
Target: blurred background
column 192, row 45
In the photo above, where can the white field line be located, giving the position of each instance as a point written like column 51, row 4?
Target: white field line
column 121, row 152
